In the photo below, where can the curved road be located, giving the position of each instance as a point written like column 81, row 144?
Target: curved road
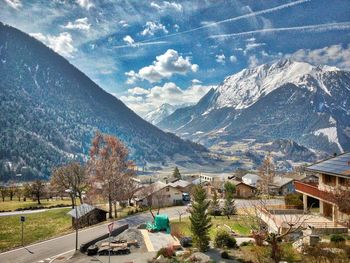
column 47, row 250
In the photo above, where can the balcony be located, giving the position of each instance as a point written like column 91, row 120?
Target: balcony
column 311, row 190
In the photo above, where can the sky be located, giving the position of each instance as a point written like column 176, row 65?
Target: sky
column 150, row 52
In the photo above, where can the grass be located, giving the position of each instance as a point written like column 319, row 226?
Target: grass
column 239, row 223
column 37, row 227
column 14, row 204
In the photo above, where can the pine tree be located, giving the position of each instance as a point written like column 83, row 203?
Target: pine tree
column 230, row 208
column 176, row 173
column 214, row 209
column 199, row 218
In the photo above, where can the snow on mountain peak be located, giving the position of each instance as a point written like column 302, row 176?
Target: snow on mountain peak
column 244, row 88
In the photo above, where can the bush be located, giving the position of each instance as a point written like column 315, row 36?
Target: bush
column 294, row 200
column 225, row 255
column 166, row 252
column 223, row 239
column 337, row 239
column 246, row 243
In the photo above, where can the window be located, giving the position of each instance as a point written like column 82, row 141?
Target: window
column 167, row 189
column 344, row 181
column 328, row 179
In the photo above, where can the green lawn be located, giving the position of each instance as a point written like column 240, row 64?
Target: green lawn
column 239, row 223
column 38, row 226
column 14, row 204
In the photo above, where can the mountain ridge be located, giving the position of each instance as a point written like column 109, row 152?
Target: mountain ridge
column 52, row 110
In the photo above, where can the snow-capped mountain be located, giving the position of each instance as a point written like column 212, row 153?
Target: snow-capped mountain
column 160, row 113
column 287, row 99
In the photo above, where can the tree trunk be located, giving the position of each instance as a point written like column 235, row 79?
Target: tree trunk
column 110, row 206
column 11, row 196
column 275, row 251
column 38, row 196
column 72, row 198
column 115, row 210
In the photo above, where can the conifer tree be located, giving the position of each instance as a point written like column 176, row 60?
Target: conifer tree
column 176, row 173
column 199, row 218
column 214, row 209
column 230, row 208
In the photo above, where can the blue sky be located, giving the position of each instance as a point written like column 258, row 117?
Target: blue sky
column 151, row 52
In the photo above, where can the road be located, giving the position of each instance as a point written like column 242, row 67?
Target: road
column 64, row 244
column 25, row 212
column 46, row 250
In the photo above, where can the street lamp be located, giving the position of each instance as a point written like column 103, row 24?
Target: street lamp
column 76, row 215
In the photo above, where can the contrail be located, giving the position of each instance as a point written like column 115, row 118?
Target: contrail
column 140, row 44
column 312, row 28
column 261, row 12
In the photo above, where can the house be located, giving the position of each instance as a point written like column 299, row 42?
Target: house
column 281, row 185
column 251, row 179
column 332, row 173
column 182, row 185
column 87, row 215
column 243, row 190
column 158, row 194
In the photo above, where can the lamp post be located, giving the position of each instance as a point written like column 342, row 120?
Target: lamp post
column 76, row 216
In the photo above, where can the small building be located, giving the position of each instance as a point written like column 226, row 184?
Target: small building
column 182, row 185
column 158, row 194
column 87, row 215
column 243, row 190
column 281, row 186
column 251, row 179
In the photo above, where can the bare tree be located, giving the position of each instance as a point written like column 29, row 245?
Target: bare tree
column 71, row 176
column 3, row 192
column 267, row 173
column 340, row 196
column 262, row 220
column 108, row 166
column 38, row 189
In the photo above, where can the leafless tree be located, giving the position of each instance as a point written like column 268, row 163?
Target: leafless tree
column 38, row 189
column 262, row 220
column 108, row 166
column 72, row 176
column 267, row 173
column 3, row 192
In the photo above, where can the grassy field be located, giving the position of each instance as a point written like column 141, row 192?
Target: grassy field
column 239, row 223
column 38, row 226
column 14, row 204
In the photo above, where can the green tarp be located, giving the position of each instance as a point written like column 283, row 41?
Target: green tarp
column 161, row 222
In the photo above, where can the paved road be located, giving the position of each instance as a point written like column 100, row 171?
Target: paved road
column 53, row 247
column 64, row 244
column 25, row 212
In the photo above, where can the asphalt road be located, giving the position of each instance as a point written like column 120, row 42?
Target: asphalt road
column 46, row 251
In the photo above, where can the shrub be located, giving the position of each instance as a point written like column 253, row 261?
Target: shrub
column 223, row 239
column 225, row 255
column 166, row 252
column 337, row 239
column 294, row 200
column 246, row 243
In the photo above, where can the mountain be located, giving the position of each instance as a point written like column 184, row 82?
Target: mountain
column 50, row 110
column 284, row 100
column 160, row 113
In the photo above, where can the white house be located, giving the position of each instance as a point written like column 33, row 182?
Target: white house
column 251, row 179
column 158, row 194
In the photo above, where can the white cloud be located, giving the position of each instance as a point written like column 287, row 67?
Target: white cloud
column 233, row 58
column 165, row 5
column 176, row 27
column 220, row 58
column 62, row 44
column 153, row 27
column 80, row 24
column 86, row 4
column 143, row 100
column 123, row 23
column 196, row 81
column 14, row 3
column 129, row 40
column 334, row 55
column 163, row 67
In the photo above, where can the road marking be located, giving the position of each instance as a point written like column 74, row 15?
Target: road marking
column 61, row 254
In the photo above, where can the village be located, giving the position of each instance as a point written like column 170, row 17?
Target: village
column 243, row 216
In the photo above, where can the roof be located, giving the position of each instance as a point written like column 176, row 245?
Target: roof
column 151, row 189
column 82, row 210
column 236, row 183
column 251, row 176
column 279, row 181
column 180, row 183
column 339, row 165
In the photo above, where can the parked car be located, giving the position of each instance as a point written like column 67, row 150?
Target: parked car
column 186, row 197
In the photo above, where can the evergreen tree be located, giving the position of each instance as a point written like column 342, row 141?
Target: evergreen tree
column 214, row 209
column 176, row 173
column 230, row 208
column 199, row 218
